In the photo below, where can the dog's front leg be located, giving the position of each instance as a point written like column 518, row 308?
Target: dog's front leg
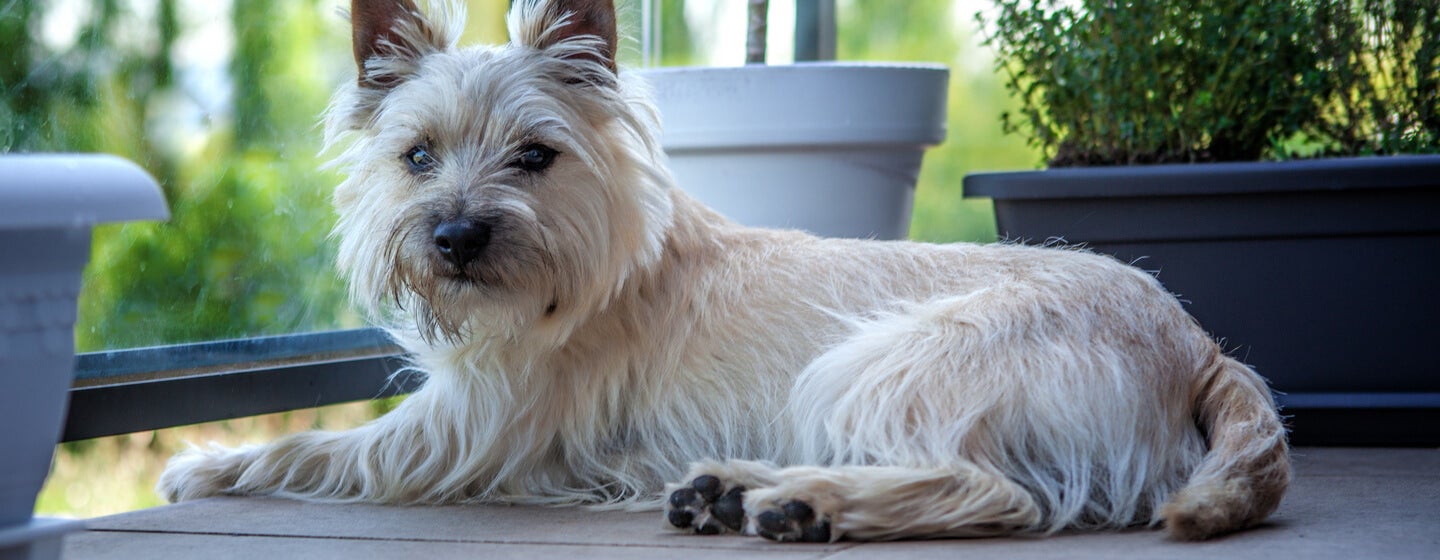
column 407, row 456
column 438, row 446
column 310, row 464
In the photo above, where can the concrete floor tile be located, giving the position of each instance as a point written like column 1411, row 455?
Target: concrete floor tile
column 1344, row 504
column 168, row 546
column 478, row 523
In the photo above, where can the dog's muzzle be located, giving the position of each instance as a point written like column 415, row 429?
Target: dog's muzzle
column 460, row 241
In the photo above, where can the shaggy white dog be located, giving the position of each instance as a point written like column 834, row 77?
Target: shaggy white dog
column 589, row 332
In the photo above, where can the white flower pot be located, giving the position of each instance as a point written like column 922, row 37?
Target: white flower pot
column 832, row 148
column 48, row 204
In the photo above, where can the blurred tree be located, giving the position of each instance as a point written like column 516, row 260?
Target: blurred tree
column 245, row 252
column 677, row 45
column 21, row 109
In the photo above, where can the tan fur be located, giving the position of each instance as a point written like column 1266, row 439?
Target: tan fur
column 615, row 331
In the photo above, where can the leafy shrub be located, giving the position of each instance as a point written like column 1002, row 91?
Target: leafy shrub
column 1387, row 74
column 1103, row 82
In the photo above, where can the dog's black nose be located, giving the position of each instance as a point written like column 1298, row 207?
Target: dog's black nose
column 461, row 240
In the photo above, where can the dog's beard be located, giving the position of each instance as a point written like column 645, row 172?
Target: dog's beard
column 448, row 302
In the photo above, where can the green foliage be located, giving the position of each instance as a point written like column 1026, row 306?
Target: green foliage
column 243, row 255
column 245, row 252
column 1103, row 82
column 677, row 46
column 1387, row 75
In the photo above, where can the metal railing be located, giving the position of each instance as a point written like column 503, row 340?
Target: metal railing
column 123, row 391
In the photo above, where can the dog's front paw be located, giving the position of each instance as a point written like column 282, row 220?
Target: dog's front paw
column 199, row 473
column 706, row 505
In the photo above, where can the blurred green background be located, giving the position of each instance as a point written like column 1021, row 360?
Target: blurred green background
column 220, row 100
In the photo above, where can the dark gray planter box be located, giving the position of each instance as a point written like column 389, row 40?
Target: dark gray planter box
column 48, row 205
column 1322, row 274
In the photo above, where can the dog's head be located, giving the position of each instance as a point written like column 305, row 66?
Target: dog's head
column 494, row 191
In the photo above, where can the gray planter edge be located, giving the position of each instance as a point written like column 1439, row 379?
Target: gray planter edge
column 51, row 203
column 1140, row 209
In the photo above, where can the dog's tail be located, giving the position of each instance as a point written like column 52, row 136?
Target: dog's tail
column 1247, row 468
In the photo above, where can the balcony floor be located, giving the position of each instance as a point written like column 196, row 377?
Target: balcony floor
column 1345, row 504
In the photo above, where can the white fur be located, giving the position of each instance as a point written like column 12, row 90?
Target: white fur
column 618, row 331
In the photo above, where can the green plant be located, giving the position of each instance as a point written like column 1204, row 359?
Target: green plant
column 1387, row 74
column 1102, row 82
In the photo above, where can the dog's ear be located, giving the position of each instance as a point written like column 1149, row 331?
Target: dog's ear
column 581, row 29
column 390, row 37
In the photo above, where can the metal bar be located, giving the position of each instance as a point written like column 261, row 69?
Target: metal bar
column 814, row 30
column 1359, row 400
column 123, row 391
column 162, row 403
column 182, row 360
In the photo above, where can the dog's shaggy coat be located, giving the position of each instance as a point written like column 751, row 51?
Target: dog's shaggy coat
column 611, row 333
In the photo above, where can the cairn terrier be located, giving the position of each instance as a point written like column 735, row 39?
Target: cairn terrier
column 589, row 332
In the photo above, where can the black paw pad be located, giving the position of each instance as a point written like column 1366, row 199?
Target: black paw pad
column 683, row 497
column 681, row 518
column 730, row 508
column 706, row 507
column 799, row 512
column 772, row 523
column 685, row 505
column 707, row 486
column 793, row 522
column 709, row 527
column 817, row 533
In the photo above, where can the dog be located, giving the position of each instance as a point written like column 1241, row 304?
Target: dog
column 588, row 333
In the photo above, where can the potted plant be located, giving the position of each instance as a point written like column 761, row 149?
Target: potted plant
column 832, row 148
column 1319, row 271
column 48, row 205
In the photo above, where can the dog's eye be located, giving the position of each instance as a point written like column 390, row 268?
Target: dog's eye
column 419, row 159
column 535, row 157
